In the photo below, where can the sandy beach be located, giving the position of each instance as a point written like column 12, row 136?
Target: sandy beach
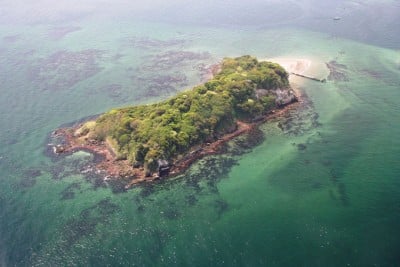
column 297, row 65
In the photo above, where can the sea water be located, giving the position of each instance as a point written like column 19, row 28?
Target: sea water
column 319, row 187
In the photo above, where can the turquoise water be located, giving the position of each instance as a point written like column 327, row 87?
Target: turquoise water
column 317, row 188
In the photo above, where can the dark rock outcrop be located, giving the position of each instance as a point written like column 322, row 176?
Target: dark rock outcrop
column 284, row 97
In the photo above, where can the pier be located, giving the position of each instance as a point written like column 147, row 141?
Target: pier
column 309, row 77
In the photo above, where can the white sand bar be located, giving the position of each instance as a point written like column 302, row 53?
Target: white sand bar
column 296, row 65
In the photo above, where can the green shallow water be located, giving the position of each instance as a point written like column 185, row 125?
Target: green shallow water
column 317, row 188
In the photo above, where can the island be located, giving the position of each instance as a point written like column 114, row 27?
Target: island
column 145, row 142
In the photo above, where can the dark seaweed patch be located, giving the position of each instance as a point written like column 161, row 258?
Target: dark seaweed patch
column 159, row 239
column 301, row 147
column 170, row 64
column 244, row 144
column 254, row 138
column 87, row 167
column 210, row 170
column 106, row 207
column 12, row 141
column 332, row 195
column 141, row 208
column 316, row 185
column 113, row 91
column 173, row 58
column 29, row 178
column 156, row 85
column 33, row 173
column 193, row 182
column 85, row 224
column 152, row 43
column 299, row 120
column 219, row 169
column 326, row 163
column 334, row 175
column 191, row 200
column 221, row 206
column 59, row 33
column 69, row 191
column 27, row 182
column 171, row 213
column 65, row 166
column 337, row 72
column 117, row 185
column 372, row 73
column 63, row 69
column 214, row 168
column 96, row 179
column 147, row 190
column 344, row 198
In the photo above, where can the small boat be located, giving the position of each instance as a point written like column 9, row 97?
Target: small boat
column 337, row 18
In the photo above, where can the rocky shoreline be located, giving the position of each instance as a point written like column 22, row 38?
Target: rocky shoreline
column 66, row 143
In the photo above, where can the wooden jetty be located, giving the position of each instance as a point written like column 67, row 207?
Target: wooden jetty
column 309, row 77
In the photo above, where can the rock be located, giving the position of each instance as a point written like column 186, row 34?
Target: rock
column 59, row 149
column 284, row 97
column 261, row 93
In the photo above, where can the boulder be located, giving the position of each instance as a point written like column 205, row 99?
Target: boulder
column 284, row 97
column 59, row 149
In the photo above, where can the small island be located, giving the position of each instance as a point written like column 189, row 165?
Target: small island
column 143, row 143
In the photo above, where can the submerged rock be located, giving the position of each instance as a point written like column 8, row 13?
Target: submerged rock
column 337, row 72
column 301, row 119
column 69, row 191
column 301, row 147
column 58, row 149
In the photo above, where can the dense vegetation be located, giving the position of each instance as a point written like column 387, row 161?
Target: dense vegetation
column 168, row 129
